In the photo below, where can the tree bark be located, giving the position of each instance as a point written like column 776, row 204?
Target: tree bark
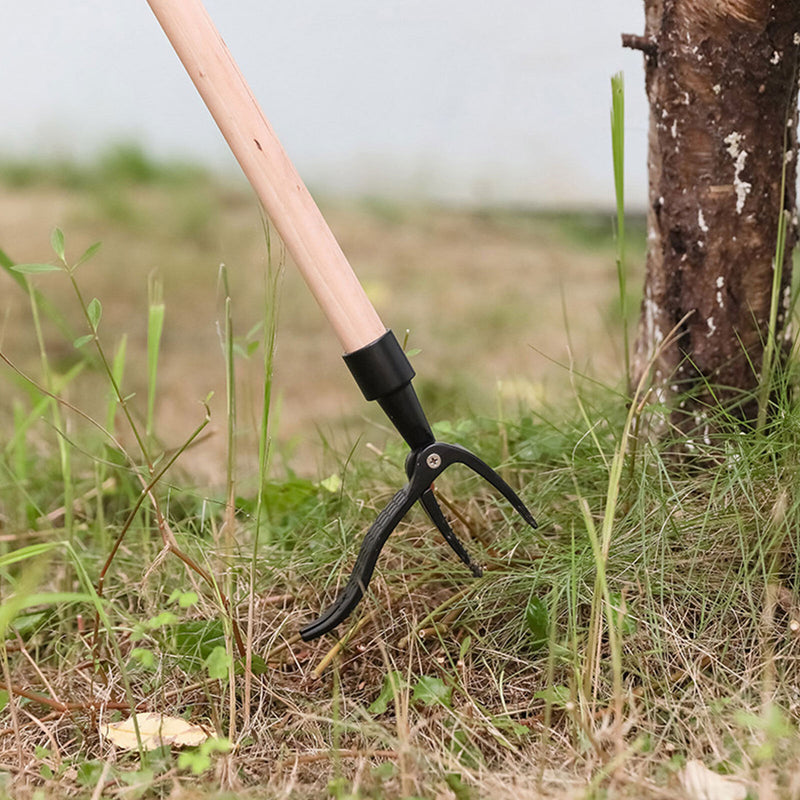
column 721, row 79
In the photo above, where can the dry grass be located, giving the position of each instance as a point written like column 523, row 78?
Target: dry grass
column 710, row 656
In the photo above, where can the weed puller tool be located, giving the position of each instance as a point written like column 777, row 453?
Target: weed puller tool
column 372, row 353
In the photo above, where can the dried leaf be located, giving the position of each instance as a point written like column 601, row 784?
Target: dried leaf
column 156, row 731
column 701, row 783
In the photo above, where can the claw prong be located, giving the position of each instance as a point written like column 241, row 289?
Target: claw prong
column 423, row 466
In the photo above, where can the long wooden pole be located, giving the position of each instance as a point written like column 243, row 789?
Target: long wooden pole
column 280, row 189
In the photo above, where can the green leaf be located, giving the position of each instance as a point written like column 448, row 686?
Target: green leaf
column 196, row 639
column 57, row 243
column 218, row 663
column 245, row 349
column 339, row 788
column 188, row 599
column 3, row 699
column 161, row 620
column 332, row 483
column 94, row 311
column 33, row 269
column 198, row 760
column 457, row 786
column 55, row 598
column 87, row 254
column 385, row 771
column 155, row 328
column 184, row 599
column 89, row 773
column 27, row 624
column 391, row 685
column 258, row 665
column 509, row 725
column 537, row 620
column 144, row 656
column 31, row 551
column 622, row 619
column 463, row 750
column 140, row 778
column 557, row 696
column 83, row 340
column 431, row 691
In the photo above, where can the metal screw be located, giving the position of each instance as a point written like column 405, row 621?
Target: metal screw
column 434, row 461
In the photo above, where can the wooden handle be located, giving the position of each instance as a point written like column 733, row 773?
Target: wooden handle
column 283, row 194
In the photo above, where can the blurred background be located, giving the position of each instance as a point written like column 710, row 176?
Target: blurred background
column 465, row 101
column 460, row 150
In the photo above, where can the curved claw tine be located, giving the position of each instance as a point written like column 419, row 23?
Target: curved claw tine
column 438, row 518
column 374, row 540
column 456, row 453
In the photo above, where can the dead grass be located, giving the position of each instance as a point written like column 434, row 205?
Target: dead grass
column 704, row 572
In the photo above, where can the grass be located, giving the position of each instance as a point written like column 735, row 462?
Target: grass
column 651, row 621
column 618, row 148
column 120, row 164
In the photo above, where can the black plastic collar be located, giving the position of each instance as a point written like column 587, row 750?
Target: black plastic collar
column 383, row 373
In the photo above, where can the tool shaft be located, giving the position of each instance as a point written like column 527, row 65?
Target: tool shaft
column 263, row 160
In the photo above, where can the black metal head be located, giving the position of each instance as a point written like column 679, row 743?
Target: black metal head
column 423, row 467
column 384, row 374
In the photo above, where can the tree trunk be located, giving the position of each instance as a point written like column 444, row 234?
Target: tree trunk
column 721, row 78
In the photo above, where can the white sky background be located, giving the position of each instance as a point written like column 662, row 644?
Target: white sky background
column 455, row 100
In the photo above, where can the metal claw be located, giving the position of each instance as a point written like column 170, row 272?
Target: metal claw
column 434, row 511
column 423, row 466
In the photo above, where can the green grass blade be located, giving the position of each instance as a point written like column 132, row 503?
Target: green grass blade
column 771, row 346
column 24, row 553
column 618, row 152
column 155, row 328
column 118, row 373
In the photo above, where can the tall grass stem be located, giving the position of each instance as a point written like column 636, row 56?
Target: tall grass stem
column 771, row 344
column 618, row 152
column 64, row 452
column 274, row 273
column 155, row 327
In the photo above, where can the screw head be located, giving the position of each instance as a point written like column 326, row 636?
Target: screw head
column 434, row 461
